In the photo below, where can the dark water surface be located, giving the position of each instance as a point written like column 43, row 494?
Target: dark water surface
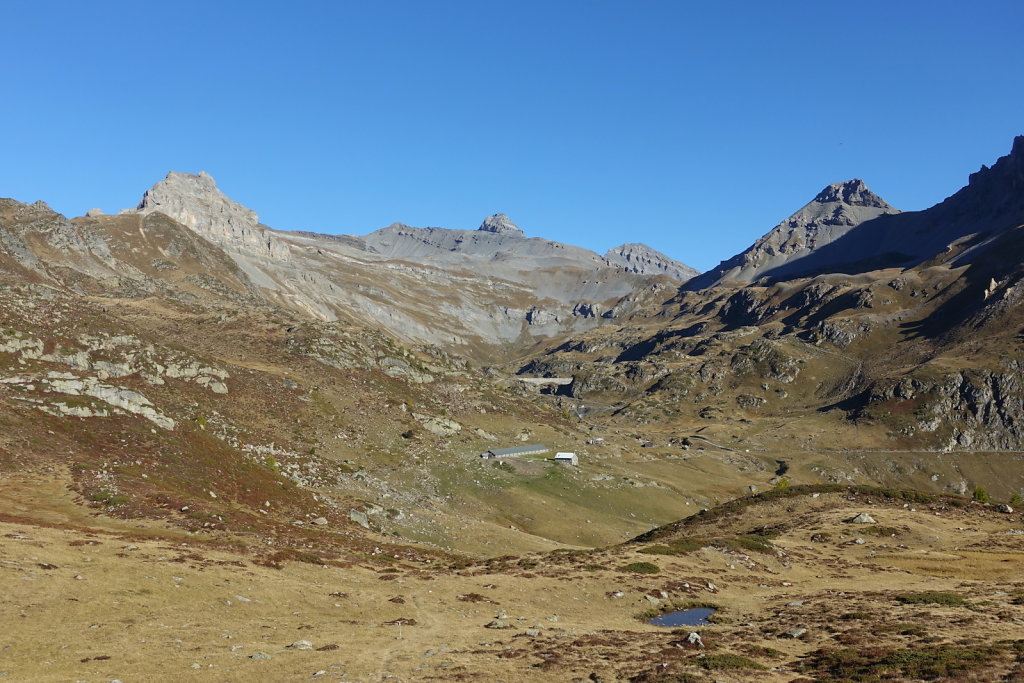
column 698, row 616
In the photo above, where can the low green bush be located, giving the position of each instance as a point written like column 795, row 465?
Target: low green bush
column 933, row 598
column 728, row 661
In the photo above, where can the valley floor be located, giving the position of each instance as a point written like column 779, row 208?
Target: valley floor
column 929, row 584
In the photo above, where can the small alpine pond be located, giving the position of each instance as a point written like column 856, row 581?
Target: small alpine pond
column 697, row 616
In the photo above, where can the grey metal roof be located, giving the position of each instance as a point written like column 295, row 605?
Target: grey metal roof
column 520, row 450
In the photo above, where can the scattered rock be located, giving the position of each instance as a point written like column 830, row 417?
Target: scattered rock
column 1003, row 507
column 263, row 656
column 862, row 518
column 694, row 639
column 320, row 521
column 301, row 645
column 794, row 633
column 359, row 518
column 498, row 623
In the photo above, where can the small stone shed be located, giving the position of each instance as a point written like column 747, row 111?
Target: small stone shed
column 567, row 458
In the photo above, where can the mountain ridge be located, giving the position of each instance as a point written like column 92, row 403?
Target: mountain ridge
column 845, row 229
column 832, row 213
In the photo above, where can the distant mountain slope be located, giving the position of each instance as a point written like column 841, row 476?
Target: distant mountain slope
column 639, row 258
column 498, row 241
column 479, row 290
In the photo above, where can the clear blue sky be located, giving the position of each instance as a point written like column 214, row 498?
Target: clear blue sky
column 692, row 127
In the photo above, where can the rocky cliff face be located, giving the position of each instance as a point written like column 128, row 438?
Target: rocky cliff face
column 980, row 409
column 196, row 202
column 639, row 258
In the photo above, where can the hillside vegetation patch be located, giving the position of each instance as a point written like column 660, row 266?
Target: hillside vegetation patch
column 875, row 664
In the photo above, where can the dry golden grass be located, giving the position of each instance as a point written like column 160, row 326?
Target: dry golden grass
column 186, row 607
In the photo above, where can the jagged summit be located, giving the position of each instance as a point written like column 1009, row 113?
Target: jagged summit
column 194, row 200
column 502, row 224
column 853, row 192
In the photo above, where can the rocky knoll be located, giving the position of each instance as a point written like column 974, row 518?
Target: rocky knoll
column 639, row 258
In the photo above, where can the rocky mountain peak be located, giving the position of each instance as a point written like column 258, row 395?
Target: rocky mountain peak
column 195, row 201
column 179, row 188
column 833, row 212
column 853, row 192
column 502, row 224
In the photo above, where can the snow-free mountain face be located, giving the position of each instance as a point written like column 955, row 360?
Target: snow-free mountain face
column 471, row 289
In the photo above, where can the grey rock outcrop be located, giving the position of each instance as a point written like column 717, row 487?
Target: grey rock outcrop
column 502, row 224
column 360, row 518
column 196, row 202
column 978, row 408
